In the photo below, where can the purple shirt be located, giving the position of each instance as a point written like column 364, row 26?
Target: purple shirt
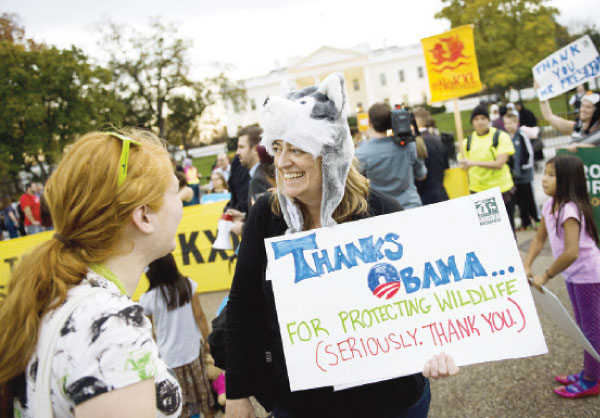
column 586, row 269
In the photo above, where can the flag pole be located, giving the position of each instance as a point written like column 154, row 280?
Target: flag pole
column 459, row 128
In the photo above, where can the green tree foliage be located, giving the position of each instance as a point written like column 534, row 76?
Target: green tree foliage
column 151, row 70
column 182, row 126
column 49, row 96
column 10, row 30
column 511, row 36
column 186, row 107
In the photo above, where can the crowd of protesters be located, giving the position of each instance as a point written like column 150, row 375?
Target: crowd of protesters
column 283, row 178
column 27, row 215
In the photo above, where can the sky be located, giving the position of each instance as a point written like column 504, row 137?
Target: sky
column 250, row 38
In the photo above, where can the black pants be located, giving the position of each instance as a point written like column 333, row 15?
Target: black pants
column 509, row 203
column 526, row 204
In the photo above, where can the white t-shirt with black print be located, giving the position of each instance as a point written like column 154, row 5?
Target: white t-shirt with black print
column 105, row 344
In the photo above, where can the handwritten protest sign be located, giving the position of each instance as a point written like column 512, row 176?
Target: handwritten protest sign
column 376, row 298
column 567, row 68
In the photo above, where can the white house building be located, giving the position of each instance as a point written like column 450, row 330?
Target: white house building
column 395, row 74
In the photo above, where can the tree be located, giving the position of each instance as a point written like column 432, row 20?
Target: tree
column 511, row 36
column 10, row 30
column 49, row 97
column 186, row 109
column 151, row 73
column 182, row 124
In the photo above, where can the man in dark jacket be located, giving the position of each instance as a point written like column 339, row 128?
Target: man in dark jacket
column 238, row 184
column 432, row 189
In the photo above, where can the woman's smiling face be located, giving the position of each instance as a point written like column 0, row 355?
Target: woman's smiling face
column 300, row 174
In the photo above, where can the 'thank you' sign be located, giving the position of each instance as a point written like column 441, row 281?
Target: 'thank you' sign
column 567, row 68
column 376, row 298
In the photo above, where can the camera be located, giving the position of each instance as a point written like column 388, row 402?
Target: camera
column 404, row 126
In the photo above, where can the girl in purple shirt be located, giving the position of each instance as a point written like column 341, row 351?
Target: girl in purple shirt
column 568, row 221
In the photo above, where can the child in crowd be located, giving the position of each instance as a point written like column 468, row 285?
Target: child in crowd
column 568, row 221
column 181, row 330
column 219, row 184
column 185, row 193
column 522, row 171
column 11, row 218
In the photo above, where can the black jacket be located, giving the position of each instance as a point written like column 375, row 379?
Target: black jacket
column 258, row 185
column 432, row 188
column 238, row 184
column 252, row 329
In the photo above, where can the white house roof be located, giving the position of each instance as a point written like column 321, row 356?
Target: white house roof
column 326, row 55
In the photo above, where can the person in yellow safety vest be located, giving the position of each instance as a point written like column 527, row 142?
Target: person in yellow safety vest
column 487, row 152
column 191, row 175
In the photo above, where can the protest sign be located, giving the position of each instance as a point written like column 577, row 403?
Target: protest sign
column 376, row 298
column 552, row 307
column 567, row 68
column 451, row 64
column 194, row 254
column 362, row 119
column 591, row 165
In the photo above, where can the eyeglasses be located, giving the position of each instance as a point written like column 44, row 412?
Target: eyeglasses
column 124, row 160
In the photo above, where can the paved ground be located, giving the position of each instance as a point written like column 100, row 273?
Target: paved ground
column 510, row 388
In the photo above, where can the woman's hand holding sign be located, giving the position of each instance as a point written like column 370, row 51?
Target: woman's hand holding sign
column 440, row 365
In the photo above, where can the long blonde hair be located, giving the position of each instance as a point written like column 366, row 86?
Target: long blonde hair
column 89, row 210
column 354, row 201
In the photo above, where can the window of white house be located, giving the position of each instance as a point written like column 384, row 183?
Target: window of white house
column 401, row 76
column 382, row 79
column 356, row 84
column 420, row 72
column 424, row 96
column 253, row 104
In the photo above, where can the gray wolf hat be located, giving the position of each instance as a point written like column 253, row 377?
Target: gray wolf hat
column 314, row 120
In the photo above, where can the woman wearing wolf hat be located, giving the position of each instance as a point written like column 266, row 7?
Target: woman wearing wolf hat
column 308, row 135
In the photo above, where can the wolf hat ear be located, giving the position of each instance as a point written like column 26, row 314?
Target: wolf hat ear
column 286, row 88
column 333, row 88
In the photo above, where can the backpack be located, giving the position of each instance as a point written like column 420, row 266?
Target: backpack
column 495, row 140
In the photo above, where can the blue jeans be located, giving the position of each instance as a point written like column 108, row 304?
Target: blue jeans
column 13, row 232
column 33, row 229
column 419, row 410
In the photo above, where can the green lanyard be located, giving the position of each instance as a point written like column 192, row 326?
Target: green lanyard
column 103, row 271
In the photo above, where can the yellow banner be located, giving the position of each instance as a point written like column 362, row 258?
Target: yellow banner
column 451, row 64
column 194, row 253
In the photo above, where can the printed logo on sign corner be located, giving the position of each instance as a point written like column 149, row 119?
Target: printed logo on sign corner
column 487, row 211
column 384, row 280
